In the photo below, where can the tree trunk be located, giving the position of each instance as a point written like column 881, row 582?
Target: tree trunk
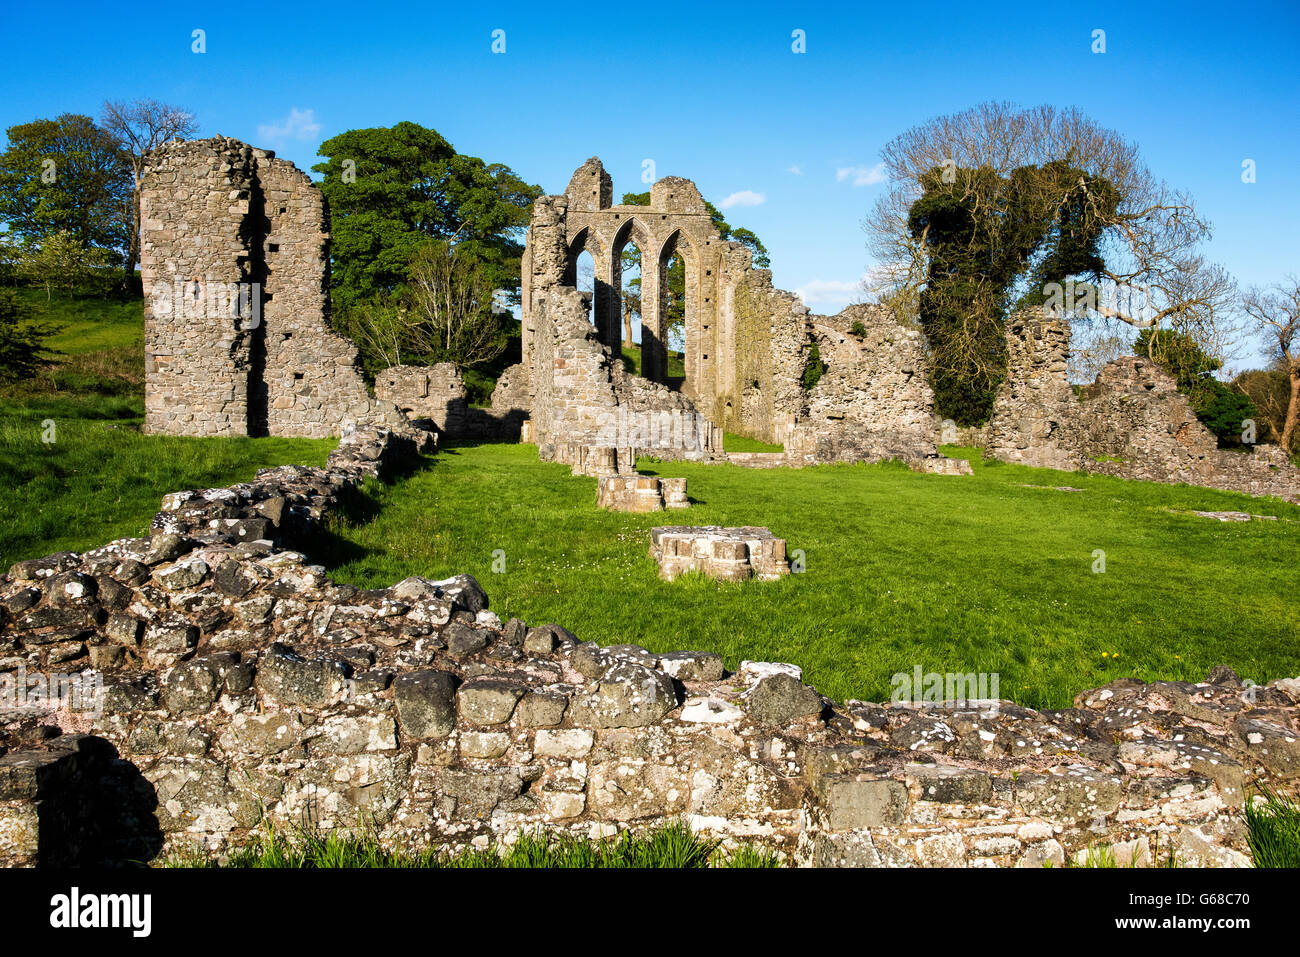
column 627, row 324
column 1292, row 411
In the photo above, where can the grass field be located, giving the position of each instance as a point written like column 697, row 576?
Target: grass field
column 98, row 478
column 987, row 573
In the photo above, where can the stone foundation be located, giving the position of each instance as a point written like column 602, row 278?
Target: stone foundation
column 641, row 493
column 728, row 554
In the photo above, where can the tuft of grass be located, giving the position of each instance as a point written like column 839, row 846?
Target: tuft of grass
column 670, row 845
column 1273, row 831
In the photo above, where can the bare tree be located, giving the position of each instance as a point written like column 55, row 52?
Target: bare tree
column 1148, row 241
column 1275, row 312
column 143, row 125
column 450, row 300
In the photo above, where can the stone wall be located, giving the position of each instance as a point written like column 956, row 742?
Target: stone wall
column 580, row 396
column 242, row 685
column 1132, row 422
column 438, row 395
column 747, row 343
column 235, row 263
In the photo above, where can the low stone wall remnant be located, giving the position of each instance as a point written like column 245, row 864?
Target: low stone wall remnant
column 241, row 685
column 728, row 554
column 641, row 493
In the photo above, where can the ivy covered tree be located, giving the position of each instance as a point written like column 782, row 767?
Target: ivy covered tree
column 995, row 243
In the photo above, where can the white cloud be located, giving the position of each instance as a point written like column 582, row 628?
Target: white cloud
column 298, row 125
column 829, row 296
column 746, row 197
column 861, row 175
column 795, row 169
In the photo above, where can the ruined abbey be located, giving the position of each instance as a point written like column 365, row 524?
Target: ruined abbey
column 242, row 686
column 235, row 259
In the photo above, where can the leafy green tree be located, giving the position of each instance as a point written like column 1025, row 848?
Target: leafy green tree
column 66, row 174
column 23, row 350
column 450, row 299
column 392, row 190
column 62, row 261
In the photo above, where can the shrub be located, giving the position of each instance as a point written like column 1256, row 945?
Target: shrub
column 813, row 369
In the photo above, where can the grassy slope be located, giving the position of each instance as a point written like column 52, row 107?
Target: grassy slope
column 953, row 574
column 88, row 323
column 101, row 479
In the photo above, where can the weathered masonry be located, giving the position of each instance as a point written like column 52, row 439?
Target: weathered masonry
column 235, row 264
column 747, row 344
column 1132, row 422
column 241, row 687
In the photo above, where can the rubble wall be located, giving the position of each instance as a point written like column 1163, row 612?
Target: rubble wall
column 1132, row 422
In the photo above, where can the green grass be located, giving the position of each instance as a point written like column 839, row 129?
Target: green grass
column 90, row 323
column 671, row 845
column 676, row 363
column 1273, row 829
column 986, row 573
column 100, row 478
column 740, row 443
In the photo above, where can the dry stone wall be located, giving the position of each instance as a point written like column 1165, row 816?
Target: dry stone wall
column 242, row 685
column 235, row 263
column 1132, row 422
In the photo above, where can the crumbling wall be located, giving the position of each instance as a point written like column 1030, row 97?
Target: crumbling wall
column 243, row 686
column 873, row 401
column 747, row 342
column 765, row 337
column 437, row 394
column 1132, row 422
column 580, row 396
column 235, row 263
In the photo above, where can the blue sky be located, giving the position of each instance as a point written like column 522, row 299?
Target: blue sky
column 712, row 92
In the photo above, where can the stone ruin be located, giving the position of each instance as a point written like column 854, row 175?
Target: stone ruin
column 235, row 265
column 437, row 394
column 727, row 554
column 1132, row 422
column 747, row 345
column 640, row 493
column 234, row 258
column 242, row 687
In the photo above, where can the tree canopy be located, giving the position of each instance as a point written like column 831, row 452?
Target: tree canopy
column 391, row 190
column 66, row 174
